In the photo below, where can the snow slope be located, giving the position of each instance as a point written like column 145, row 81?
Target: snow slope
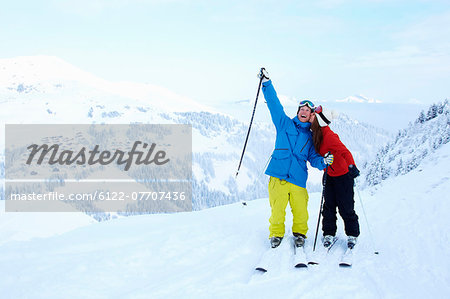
column 26, row 226
column 212, row 253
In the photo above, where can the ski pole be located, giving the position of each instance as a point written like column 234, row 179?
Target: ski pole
column 250, row 126
column 367, row 222
column 321, row 206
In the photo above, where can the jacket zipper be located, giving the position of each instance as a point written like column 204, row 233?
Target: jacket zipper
column 304, row 145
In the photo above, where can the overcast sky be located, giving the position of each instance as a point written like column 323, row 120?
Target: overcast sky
column 393, row 51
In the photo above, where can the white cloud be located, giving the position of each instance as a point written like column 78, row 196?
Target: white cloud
column 399, row 56
column 425, row 43
column 433, row 31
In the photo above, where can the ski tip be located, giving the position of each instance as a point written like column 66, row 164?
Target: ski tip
column 345, row 265
column 301, row 265
column 261, row 270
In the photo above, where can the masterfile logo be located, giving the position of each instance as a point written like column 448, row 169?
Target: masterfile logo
column 94, row 156
column 98, row 168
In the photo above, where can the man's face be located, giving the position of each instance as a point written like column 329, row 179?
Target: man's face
column 304, row 114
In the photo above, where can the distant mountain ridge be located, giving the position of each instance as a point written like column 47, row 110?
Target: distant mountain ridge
column 359, row 99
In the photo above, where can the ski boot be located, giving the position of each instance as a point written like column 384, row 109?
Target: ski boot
column 351, row 242
column 328, row 241
column 275, row 241
column 299, row 239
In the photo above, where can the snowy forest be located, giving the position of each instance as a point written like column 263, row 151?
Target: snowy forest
column 430, row 131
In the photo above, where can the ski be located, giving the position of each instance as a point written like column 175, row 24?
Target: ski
column 271, row 256
column 266, row 259
column 347, row 258
column 323, row 252
column 300, row 260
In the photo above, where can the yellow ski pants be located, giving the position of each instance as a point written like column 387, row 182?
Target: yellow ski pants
column 280, row 193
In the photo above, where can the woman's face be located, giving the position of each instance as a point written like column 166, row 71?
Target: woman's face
column 311, row 118
column 304, row 114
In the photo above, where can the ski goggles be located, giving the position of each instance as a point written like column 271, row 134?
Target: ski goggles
column 306, row 103
column 318, row 109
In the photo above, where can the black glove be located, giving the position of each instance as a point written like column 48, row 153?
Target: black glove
column 264, row 75
column 353, row 171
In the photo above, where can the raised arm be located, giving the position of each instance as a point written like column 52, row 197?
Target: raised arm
column 279, row 117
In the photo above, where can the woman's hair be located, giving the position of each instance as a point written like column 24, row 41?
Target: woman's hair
column 317, row 135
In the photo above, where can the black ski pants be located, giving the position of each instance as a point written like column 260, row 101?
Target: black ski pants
column 339, row 193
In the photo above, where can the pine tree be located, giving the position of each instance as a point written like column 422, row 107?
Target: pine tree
column 421, row 118
column 432, row 112
column 440, row 108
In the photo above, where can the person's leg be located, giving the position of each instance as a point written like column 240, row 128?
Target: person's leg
column 329, row 209
column 278, row 197
column 346, row 204
column 298, row 201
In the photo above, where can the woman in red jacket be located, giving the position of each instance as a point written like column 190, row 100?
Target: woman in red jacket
column 338, row 191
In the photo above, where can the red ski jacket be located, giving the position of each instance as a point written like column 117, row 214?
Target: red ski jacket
column 342, row 156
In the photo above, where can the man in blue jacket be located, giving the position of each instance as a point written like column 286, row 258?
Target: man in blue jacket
column 287, row 168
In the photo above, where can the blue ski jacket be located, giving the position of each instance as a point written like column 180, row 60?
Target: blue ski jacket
column 293, row 144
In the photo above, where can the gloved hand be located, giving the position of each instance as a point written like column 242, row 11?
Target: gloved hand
column 353, row 171
column 264, row 75
column 328, row 159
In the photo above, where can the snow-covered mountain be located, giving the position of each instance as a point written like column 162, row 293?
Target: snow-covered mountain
column 413, row 145
column 212, row 253
column 52, row 77
column 48, row 90
column 359, row 99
